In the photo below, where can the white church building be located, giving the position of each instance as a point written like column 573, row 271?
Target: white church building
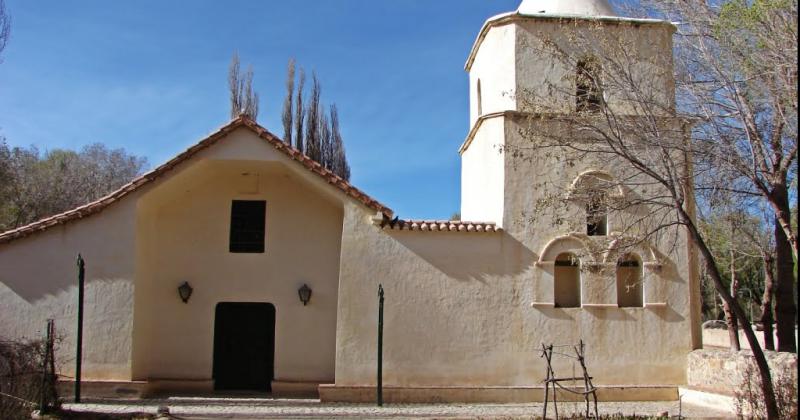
column 250, row 225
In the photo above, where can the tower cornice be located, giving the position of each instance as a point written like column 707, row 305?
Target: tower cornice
column 683, row 120
column 513, row 17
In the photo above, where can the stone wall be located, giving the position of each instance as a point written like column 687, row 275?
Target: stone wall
column 724, row 371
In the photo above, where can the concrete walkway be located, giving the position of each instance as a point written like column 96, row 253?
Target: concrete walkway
column 251, row 408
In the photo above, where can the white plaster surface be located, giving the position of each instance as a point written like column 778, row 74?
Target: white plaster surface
column 184, row 228
column 494, row 65
column 482, row 172
column 718, row 337
column 38, row 280
column 528, row 63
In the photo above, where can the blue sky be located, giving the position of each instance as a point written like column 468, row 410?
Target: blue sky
column 150, row 76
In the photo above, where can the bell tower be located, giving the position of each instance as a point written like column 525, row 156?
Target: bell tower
column 512, row 61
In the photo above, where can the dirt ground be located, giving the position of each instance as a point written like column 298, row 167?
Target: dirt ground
column 251, row 408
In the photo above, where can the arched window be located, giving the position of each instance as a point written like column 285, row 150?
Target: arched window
column 567, row 281
column 597, row 214
column 480, row 99
column 588, row 91
column 630, row 292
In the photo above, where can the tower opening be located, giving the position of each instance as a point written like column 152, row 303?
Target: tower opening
column 588, row 91
column 597, row 214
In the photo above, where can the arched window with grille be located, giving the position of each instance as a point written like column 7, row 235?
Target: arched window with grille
column 630, row 290
column 567, row 281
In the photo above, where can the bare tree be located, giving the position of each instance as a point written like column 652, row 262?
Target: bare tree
column 313, row 117
column 5, row 27
column 338, row 157
column 299, row 113
column 244, row 99
column 666, row 160
column 737, row 74
column 315, row 131
column 764, row 243
column 324, row 132
column 288, row 102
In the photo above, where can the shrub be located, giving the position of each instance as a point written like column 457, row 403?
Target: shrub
column 21, row 379
column 750, row 402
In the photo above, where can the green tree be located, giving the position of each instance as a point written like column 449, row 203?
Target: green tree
column 37, row 185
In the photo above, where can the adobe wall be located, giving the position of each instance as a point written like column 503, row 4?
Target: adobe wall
column 38, row 280
column 483, row 172
column 547, row 51
column 461, row 311
column 185, row 225
column 495, row 67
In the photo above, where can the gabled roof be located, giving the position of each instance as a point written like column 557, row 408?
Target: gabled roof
column 240, row 122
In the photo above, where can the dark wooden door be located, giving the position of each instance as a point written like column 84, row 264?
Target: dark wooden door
column 244, row 346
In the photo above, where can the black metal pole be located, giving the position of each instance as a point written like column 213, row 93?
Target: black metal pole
column 380, row 345
column 43, row 408
column 79, row 349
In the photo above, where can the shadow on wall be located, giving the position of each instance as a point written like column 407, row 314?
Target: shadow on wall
column 469, row 256
column 34, row 285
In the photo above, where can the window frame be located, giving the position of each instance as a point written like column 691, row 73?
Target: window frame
column 625, row 286
column 575, row 263
column 255, row 226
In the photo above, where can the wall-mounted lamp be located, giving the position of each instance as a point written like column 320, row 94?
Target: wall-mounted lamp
column 185, row 291
column 305, row 294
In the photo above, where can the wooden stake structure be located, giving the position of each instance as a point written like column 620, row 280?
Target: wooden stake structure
column 554, row 382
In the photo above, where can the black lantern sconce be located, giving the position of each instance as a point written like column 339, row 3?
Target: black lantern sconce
column 185, row 291
column 305, row 294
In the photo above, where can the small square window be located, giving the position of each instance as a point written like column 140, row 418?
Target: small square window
column 247, row 226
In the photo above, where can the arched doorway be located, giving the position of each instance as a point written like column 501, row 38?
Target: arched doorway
column 244, row 346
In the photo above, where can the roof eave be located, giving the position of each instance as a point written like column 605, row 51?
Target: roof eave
column 145, row 179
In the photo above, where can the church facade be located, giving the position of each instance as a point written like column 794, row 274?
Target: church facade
column 241, row 264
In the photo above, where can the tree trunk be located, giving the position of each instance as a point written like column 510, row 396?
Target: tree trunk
column 730, row 319
column 758, row 354
column 779, row 198
column 785, row 310
column 766, row 301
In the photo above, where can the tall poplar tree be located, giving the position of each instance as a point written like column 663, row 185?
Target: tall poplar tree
column 288, row 112
column 309, row 127
column 299, row 112
column 244, row 99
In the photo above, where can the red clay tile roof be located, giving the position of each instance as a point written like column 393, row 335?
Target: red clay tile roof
column 439, row 225
column 243, row 121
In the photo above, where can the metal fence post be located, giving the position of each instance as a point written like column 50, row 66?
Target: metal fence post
column 380, row 345
column 79, row 349
column 46, row 360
